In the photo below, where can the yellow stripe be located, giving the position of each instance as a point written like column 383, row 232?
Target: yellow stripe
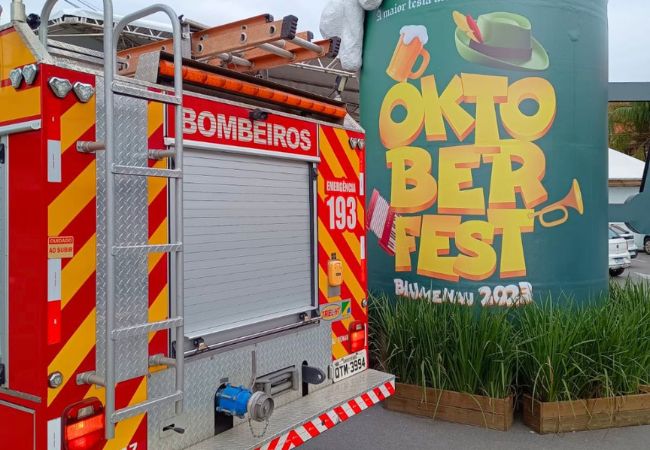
column 78, row 270
column 355, row 246
column 338, row 350
column 72, row 354
column 351, row 155
column 14, row 54
column 155, row 118
column 75, row 122
column 125, row 430
column 330, row 157
column 71, row 201
column 330, row 247
column 321, row 188
column 158, row 237
column 157, row 184
column 158, row 309
column 25, row 103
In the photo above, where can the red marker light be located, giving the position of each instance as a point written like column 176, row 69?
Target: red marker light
column 83, row 426
column 357, row 332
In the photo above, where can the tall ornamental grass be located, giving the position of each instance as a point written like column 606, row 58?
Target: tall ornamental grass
column 444, row 346
column 554, row 349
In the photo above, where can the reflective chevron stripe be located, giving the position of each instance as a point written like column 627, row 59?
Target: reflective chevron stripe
column 330, row 419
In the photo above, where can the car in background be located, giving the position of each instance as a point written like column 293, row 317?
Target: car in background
column 642, row 241
column 619, row 257
column 629, row 238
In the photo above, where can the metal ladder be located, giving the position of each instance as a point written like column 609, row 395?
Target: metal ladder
column 124, row 87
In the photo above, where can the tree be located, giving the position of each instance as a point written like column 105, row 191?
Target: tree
column 629, row 128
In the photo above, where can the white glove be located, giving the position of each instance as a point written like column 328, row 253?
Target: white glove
column 344, row 18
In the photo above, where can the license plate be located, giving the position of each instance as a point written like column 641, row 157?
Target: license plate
column 349, row 365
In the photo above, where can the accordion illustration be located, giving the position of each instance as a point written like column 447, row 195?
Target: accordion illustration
column 381, row 221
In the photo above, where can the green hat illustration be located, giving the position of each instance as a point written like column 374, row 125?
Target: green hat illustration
column 501, row 40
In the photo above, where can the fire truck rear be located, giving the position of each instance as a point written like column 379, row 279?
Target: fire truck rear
column 182, row 249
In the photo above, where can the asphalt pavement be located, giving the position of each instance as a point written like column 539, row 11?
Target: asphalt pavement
column 639, row 271
column 378, row 428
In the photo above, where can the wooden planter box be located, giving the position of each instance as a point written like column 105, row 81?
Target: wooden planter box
column 582, row 415
column 476, row 410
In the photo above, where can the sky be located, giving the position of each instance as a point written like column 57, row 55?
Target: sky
column 628, row 23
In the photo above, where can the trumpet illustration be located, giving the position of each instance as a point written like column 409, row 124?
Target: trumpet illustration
column 572, row 200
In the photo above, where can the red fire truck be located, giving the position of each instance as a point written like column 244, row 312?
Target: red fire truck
column 182, row 249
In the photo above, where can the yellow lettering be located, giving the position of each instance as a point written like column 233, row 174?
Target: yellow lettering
column 525, row 180
column 405, row 230
column 510, row 224
column 396, row 134
column 434, row 244
column 479, row 260
column 413, row 188
column 520, row 125
column 485, row 91
column 447, row 106
column 455, row 180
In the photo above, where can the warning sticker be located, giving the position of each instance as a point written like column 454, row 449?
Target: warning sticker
column 60, row 247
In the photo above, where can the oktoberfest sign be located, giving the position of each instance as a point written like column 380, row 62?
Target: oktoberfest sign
column 466, row 184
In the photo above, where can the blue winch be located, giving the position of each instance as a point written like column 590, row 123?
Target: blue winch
column 238, row 401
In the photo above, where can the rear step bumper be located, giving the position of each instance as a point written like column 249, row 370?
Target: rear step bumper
column 297, row 422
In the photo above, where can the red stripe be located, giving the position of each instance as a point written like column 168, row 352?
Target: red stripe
column 20, row 120
column 326, row 421
column 157, row 279
column 76, row 311
column 274, row 443
column 73, row 164
column 72, row 392
column 125, row 392
column 140, row 436
column 338, row 149
column 339, row 330
column 311, row 429
column 294, row 440
column 367, row 400
column 341, row 413
column 380, row 395
column 7, row 31
column 390, row 387
column 157, row 211
column 82, row 228
column 355, row 407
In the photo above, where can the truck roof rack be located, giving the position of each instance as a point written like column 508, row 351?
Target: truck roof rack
column 247, row 45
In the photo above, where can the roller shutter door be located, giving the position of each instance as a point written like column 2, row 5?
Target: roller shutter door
column 247, row 240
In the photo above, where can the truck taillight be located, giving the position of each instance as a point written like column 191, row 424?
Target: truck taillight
column 83, row 426
column 357, row 336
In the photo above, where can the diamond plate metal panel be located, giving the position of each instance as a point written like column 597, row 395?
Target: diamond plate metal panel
column 101, row 231
column 131, row 215
column 203, row 377
column 131, row 228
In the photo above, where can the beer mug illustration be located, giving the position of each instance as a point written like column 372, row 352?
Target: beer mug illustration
column 410, row 47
